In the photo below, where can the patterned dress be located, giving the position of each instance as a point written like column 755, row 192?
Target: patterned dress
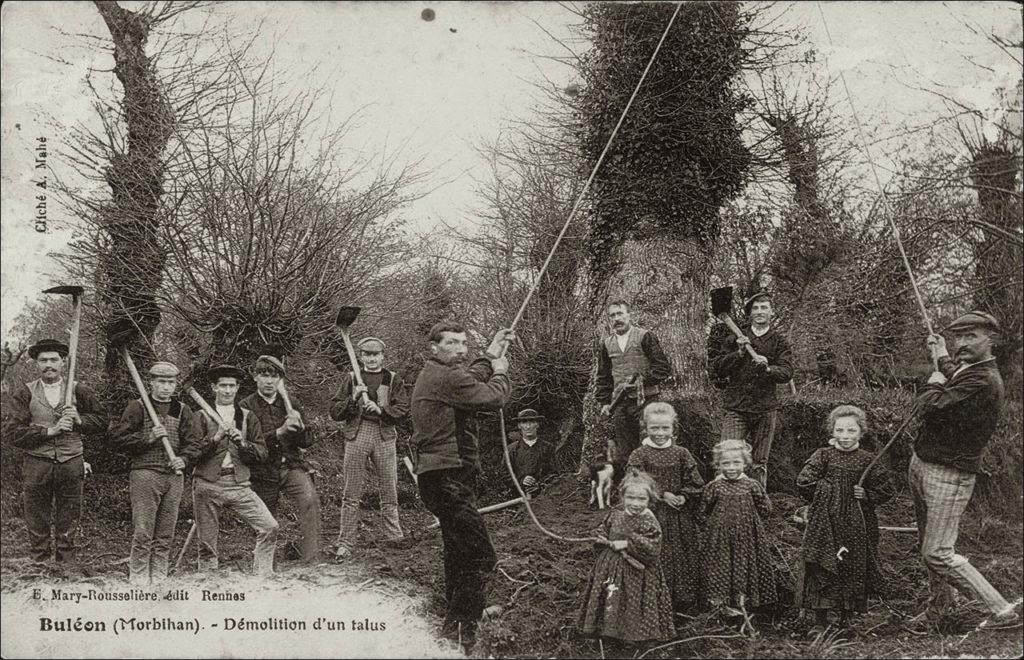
column 737, row 550
column 675, row 470
column 836, row 520
column 622, row 601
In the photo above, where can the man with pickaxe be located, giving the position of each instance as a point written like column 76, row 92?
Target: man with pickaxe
column 747, row 364
column 368, row 413
column 447, row 460
column 48, row 418
column 631, row 366
column 232, row 444
column 286, row 470
column 155, row 483
column 959, row 410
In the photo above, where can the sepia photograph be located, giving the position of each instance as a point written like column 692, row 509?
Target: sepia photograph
column 511, row 329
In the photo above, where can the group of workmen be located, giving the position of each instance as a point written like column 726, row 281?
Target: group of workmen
column 249, row 453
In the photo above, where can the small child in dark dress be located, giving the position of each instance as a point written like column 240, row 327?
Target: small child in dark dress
column 626, row 598
column 840, row 549
column 738, row 568
column 679, row 488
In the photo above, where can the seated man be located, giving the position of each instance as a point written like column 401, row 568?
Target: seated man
column 531, row 456
column 221, row 479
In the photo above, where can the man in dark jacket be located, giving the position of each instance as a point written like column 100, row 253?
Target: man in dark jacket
column 531, row 455
column 629, row 359
column 369, row 432
column 749, row 400
column 50, row 436
column 222, row 476
column 959, row 410
column 153, row 484
column 286, row 436
column 447, row 459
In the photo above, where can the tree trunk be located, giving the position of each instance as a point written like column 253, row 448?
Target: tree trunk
column 132, row 269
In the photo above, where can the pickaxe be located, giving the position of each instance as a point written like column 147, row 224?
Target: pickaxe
column 76, row 302
column 721, row 309
column 346, row 316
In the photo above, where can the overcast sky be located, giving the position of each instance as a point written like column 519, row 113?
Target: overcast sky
column 439, row 88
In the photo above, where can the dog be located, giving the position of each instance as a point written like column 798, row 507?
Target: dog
column 601, row 477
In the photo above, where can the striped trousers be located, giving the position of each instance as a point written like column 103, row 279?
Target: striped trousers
column 758, row 430
column 941, row 495
column 369, row 445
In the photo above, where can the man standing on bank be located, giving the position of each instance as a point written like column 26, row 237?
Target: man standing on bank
column 959, row 410
column 286, row 436
column 154, row 487
column 369, row 432
column 749, row 400
column 531, row 455
column 628, row 352
column 50, row 435
column 221, row 479
column 447, row 458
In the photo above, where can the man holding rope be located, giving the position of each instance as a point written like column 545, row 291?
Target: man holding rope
column 447, row 459
column 959, row 410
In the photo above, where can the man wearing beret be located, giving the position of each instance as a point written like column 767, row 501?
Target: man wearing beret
column 369, row 432
column 286, row 436
column 445, row 398
column 222, row 477
column 628, row 352
column 50, row 435
column 155, row 484
column 959, row 409
column 748, row 398
column 531, row 456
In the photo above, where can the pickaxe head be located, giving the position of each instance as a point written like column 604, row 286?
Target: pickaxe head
column 68, row 289
column 346, row 315
column 721, row 301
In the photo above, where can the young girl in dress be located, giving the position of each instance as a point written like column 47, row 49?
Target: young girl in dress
column 626, row 598
column 738, row 563
column 679, row 486
column 840, row 559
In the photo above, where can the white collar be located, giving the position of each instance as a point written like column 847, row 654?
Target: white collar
column 965, row 365
column 269, row 401
column 530, row 443
column 761, row 333
column 53, row 386
column 647, row 442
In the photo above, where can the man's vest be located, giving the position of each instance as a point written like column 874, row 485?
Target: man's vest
column 155, row 456
column 631, row 361
column 210, row 467
column 61, row 447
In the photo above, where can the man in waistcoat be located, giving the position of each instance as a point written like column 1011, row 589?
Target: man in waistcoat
column 222, row 477
column 155, row 483
column 750, row 405
column 959, row 410
column 369, row 432
column 50, row 436
column 286, row 470
column 630, row 359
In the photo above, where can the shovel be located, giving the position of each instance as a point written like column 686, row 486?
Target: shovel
column 346, row 316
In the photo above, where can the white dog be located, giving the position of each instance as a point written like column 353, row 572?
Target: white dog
column 601, row 475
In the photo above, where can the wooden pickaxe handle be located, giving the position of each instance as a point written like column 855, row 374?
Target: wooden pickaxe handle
column 357, row 373
column 284, row 397
column 727, row 320
column 208, row 409
column 76, row 324
column 144, row 395
column 487, row 509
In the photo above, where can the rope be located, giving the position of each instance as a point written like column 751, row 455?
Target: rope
column 881, row 191
column 544, row 267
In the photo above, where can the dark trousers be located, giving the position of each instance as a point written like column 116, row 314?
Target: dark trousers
column 627, row 430
column 468, row 554
column 296, row 485
column 52, row 496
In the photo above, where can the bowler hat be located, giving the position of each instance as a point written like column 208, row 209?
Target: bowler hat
column 528, row 415
column 225, row 371
column 164, row 369
column 757, row 295
column 974, row 319
column 48, row 346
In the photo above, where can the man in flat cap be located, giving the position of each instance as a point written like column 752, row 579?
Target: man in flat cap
column 959, row 409
column 50, row 436
column 155, row 484
column 629, row 359
column 369, row 432
column 531, row 456
column 286, row 470
column 222, row 477
column 750, row 405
